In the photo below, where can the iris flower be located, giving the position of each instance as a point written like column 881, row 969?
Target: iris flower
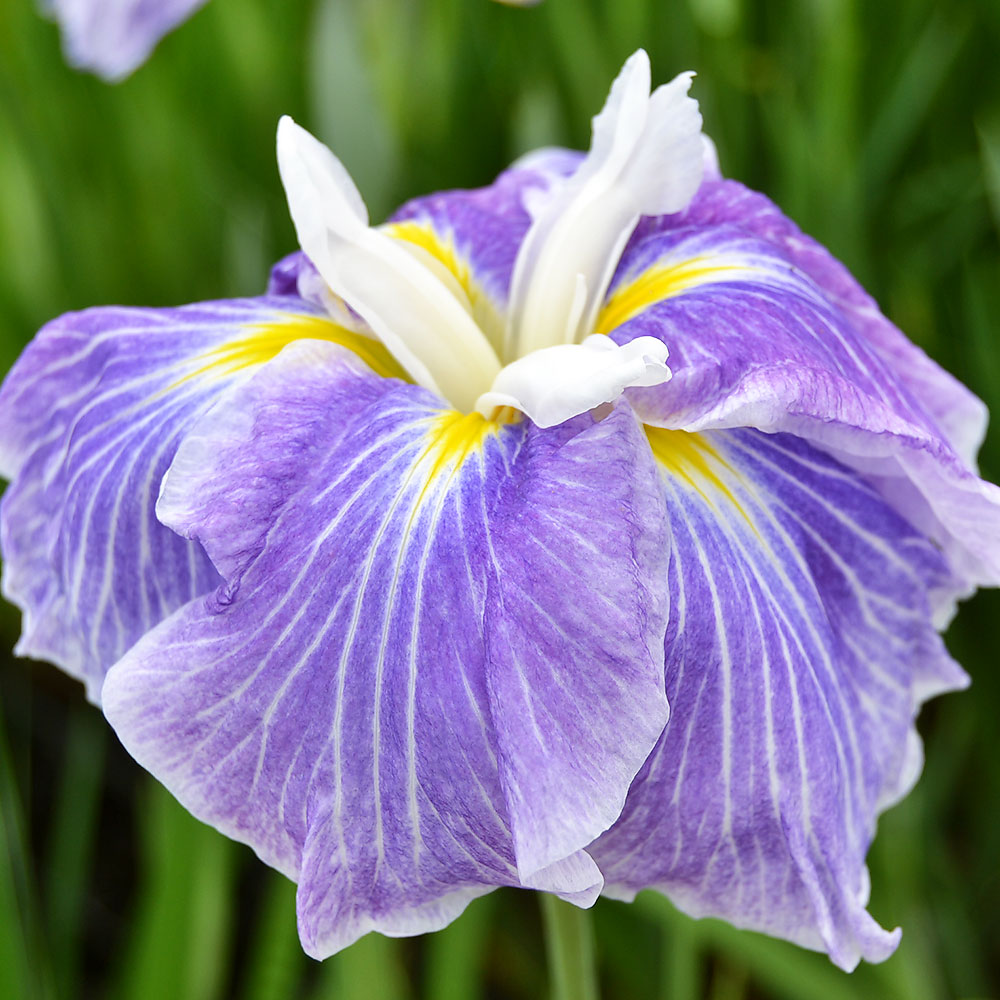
column 587, row 532
column 113, row 38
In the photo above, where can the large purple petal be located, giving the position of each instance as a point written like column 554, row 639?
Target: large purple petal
column 91, row 416
column 114, row 37
column 755, row 341
column 436, row 664
column 799, row 650
column 959, row 415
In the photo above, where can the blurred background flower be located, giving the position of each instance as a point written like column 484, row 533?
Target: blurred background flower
column 112, row 37
column 877, row 128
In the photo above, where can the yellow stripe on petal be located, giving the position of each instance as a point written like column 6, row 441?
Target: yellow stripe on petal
column 451, row 438
column 264, row 341
column 443, row 251
column 423, row 235
column 690, row 457
column 663, row 281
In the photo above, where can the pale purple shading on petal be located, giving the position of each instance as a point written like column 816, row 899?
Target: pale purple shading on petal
column 757, row 342
column 415, row 685
column 758, row 311
column 284, row 277
column 92, row 413
column 568, row 617
column 296, row 275
column 112, row 38
column 799, row 650
column 958, row 413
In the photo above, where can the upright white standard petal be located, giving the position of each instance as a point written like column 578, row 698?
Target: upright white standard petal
column 556, row 383
column 411, row 310
column 645, row 159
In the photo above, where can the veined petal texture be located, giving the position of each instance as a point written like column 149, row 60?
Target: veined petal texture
column 799, row 649
column 755, row 340
column 91, row 415
column 436, row 665
column 959, row 415
column 114, row 37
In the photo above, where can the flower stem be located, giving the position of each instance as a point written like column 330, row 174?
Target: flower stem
column 569, row 942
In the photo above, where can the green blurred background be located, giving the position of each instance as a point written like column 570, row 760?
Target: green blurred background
column 876, row 126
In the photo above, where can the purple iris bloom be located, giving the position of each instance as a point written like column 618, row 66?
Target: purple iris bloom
column 586, row 532
column 112, row 38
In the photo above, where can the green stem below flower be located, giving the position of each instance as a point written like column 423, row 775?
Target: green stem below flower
column 569, row 943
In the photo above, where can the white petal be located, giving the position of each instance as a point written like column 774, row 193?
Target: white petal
column 556, row 383
column 710, row 158
column 645, row 159
column 412, row 311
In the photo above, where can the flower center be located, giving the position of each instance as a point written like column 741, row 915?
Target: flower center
column 645, row 159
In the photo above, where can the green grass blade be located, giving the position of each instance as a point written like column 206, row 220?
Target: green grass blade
column 456, row 957
column 581, row 56
column 371, row 967
column 277, row 963
column 24, row 968
column 16, row 976
column 71, row 844
column 909, row 101
column 785, row 971
column 570, row 949
column 988, row 131
column 356, row 129
column 180, row 944
column 682, row 954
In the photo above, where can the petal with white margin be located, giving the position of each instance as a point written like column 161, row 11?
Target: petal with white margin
column 91, row 415
column 556, row 383
column 755, row 341
column 959, row 415
column 434, row 669
column 799, row 651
